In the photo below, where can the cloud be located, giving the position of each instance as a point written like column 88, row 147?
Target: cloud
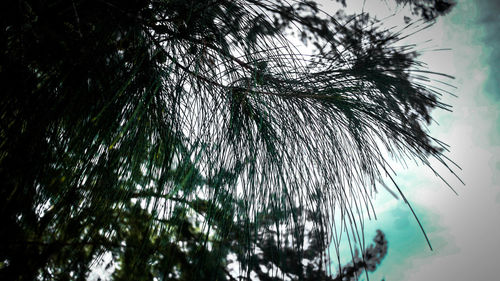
column 489, row 20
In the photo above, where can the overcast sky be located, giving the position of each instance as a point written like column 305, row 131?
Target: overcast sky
column 464, row 230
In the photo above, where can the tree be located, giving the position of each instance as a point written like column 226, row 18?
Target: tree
column 115, row 111
column 429, row 9
column 276, row 259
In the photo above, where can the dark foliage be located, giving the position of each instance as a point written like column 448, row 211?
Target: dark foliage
column 122, row 122
column 429, row 9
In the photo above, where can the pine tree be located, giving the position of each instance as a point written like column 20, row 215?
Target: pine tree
column 116, row 114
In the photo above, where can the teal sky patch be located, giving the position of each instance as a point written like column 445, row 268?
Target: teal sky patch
column 463, row 229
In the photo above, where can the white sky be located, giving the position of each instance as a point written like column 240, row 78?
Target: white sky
column 464, row 230
column 470, row 223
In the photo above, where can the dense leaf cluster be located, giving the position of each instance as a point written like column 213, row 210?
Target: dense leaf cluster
column 429, row 9
column 122, row 123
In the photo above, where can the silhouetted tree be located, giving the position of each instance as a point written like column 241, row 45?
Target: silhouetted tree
column 429, row 9
column 116, row 114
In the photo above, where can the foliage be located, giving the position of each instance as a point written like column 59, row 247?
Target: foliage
column 429, row 9
column 115, row 115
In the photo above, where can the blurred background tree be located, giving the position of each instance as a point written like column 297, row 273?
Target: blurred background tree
column 161, row 131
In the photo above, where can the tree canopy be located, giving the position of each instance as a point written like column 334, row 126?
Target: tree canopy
column 178, row 128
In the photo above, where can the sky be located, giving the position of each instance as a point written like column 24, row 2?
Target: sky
column 464, row 229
